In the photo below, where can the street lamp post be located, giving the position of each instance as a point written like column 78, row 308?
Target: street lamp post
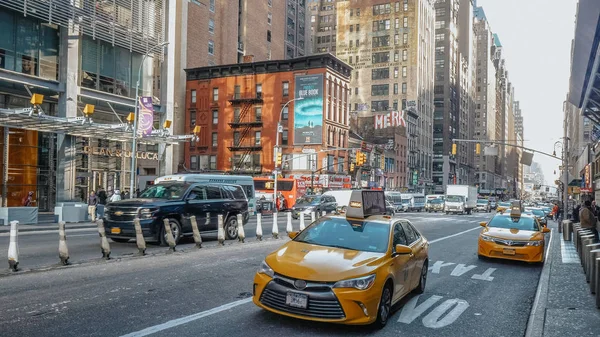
column 135, row 121
column 278, row 131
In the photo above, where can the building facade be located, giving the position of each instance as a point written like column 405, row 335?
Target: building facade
column 238, row 108
column 77, row 55
column 323, row 27
column 391, row 47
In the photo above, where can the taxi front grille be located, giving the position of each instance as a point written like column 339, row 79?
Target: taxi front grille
column 318, row 308
column 510, row 243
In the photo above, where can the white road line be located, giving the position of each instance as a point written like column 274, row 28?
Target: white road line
column 52, row 231
column 186, row 319
column 453, row 235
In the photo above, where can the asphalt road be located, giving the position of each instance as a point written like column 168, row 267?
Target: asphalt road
column 205, row 293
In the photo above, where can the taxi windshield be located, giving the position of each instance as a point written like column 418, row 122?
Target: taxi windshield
column 367, row 236
column 523, row 223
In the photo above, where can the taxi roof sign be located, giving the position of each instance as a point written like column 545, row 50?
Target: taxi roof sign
column 366, row 203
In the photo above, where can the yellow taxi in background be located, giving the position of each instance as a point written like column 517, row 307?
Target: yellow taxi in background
column 345, row 269
column 513, row 235
column 503, row 206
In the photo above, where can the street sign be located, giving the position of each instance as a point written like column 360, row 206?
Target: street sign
column 308, row 151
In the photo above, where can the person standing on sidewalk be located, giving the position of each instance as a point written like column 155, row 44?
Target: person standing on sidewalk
column 576, row 210
column 92, row 203
column 102, row 196
column 588, row 219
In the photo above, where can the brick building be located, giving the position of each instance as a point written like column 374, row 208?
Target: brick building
column 238, row 107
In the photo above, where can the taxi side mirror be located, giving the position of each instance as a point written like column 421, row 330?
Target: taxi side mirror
column 402, row 249
column 545, row 230
column 292, row 235
column 483, row 224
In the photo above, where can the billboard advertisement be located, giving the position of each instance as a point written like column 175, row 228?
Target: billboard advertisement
column 308, row 112
column 146, row 115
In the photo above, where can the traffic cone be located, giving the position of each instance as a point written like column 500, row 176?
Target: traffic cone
column 259, row 231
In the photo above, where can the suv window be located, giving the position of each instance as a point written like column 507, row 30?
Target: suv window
column 234, row 192
column 411, row 235
column 399, row 236
column 197, row 193
column 213, row 193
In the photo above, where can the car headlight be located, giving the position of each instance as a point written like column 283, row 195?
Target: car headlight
column 147, row 213
column 106, row 209
column 360, row 283
column 265, row 269
column 535, row 243
column 486, row 237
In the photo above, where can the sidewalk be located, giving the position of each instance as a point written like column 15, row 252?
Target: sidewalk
column 564, row 305
column 48, row 226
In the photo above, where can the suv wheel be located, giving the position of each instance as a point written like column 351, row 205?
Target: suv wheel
column 175, row 229
column 231, row 228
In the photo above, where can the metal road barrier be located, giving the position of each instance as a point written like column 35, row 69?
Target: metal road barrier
column 594, row 255
column 13, row 246
column 259, row 231
column 197, row 237
column 587, row 259
column 63, row 250
column 240, row 228
column 583, row 241
column 275, row 230
column 567, row 230
column 139, row 237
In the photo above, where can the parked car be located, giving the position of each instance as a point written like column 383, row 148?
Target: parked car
column 177, row 201
column 342, row 198
column 314, row 203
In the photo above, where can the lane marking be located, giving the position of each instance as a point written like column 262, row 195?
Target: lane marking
column 535, row 324
column 183, row 320
column 453, row 235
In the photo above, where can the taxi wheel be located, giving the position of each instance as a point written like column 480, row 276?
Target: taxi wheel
column 422, row 279
column 385, row 307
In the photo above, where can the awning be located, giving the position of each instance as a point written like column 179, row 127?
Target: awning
column 79, row 127
column 575, row 182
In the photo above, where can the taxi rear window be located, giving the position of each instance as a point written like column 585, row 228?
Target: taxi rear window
column 521, row 223
column 368, row 236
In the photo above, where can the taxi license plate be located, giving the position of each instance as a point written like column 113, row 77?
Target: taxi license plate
column 296, row 300
column 115, row 230
column 508, row 252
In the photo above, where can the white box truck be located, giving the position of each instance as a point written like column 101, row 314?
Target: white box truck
column 460, row 199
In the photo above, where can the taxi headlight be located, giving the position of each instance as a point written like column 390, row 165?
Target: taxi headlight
column 486, row 238
column 535, row 243
column 265, row 269
column 360, row 283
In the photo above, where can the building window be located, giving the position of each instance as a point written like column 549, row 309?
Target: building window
column 380, row 105
column 396, row 40
column 215, row 117
column 268, row 36
column 286, row 88
column 236, row 115
column 194, row 163
column 215, row 139
column 284, row 114
column 193, row 118
column 381, row 57
column 259, row 90
column 284, row 137
column 211, row 47
column 357, row 27
column 396, row 56
column 357, row 43
column 405, row 5
column 269, row 18
column 215, row 94
column 404, row 88
column 211, row 5
column 404, row 71
column 395, row 72
column 380, row 73
column 405, row 22
column 351, row 28
column 356, row 91
column 380, row 90
column 257, row 136
column 404, row 55
column 211, row 26
column 213, row 162
column 358, row 12
column 405, row 39
column 237, row 94
column 395, row 88
column 258, row 114
column 193, row 95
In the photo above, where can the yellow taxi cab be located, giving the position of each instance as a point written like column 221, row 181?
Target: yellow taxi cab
column 345, row 269
column 513, row 235
column 502, row 206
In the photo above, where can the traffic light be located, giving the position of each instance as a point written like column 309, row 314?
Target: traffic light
column 382, row 162
column 359, row 158
column 453, row 149
column 351, row 167
column 477, row 148
column 278, row 159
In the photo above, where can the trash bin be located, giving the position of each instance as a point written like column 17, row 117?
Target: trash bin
column 587, row 261
column 594, row 258
column 585, row 240
column 567, row 228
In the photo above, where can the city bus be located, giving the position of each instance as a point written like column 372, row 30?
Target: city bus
column 290, row 188
column 245, row 182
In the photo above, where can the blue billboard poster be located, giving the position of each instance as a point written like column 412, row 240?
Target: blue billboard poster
column 308, row 112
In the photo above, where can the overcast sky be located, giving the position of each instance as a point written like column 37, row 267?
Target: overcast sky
column 536, row 36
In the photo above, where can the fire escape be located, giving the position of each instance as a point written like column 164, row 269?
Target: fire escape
column 242, row 125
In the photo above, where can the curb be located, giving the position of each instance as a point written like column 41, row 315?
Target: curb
column 537, row 317
column 46, row 228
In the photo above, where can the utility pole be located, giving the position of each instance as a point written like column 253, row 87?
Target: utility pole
column 565, row 157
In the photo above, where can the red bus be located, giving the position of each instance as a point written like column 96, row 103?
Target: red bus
column 290, row 188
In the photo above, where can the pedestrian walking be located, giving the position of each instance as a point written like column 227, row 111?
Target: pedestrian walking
column 588, row 219
column 116, row 196
column 92, row 203
column 28, row 199
column 555, row 211
column 126, row 195
column 102, row 196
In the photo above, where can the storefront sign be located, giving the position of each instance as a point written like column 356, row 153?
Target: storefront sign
column 101, row 151
column 366, row 147
column 588, row 177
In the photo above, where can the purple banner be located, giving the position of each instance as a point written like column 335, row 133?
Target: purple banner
column 146, row 115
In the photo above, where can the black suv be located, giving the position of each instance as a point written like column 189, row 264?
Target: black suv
column 177, row 201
